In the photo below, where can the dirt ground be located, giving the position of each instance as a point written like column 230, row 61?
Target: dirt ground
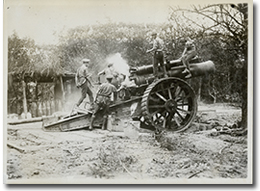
column 132, row 154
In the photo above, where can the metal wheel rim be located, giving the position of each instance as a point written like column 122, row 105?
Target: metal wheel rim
column 169, row 103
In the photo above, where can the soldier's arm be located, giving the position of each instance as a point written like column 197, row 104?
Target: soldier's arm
column 98, row 90
column 154, row 47
column 184, row 52
column 102, row 72
column 115, row 94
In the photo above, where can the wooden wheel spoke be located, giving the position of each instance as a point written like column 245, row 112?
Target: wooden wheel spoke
column 164, row 123
column 158, row 116
column 177, row 122
column 170, row 93
column 185, row 111
column 183, row 104
column 160, row 96
column 169, row 103
column 178, row 113
column 178, row 91
column 177, row 99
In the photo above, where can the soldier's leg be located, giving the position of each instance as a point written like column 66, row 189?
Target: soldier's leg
column 92, row 121
column 184, row 62
column 106, row 110
column 83, row 95
column 95, row 110
column 90, row 95
column 104, row 125
column 189, row 56
column 163, row 61
column 155, row 66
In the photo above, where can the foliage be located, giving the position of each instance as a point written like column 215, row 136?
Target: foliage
column 226, row 27
column 219, row 31
column 24, row 57
column 111, row 159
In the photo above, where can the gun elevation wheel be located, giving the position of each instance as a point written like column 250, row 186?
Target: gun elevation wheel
column 169, row 103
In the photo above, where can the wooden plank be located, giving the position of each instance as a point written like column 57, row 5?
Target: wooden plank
column 21, row 121
column 83, row 120
column 207, row 110
column 13, row 146
column 80, row 110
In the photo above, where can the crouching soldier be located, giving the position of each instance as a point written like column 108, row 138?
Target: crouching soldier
column 103, row 100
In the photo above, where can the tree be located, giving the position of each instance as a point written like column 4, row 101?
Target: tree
column 228, row 23
column 26, row 60
column 19, row 63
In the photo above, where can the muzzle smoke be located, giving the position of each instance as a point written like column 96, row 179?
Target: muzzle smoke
column 121, row 66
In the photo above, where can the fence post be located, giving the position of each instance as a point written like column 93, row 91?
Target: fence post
column 24, row 98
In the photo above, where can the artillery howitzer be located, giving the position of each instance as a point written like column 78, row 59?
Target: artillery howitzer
column 168, row 103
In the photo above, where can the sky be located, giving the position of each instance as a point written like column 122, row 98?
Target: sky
column 43, row 20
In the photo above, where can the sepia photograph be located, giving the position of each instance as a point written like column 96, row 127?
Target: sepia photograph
column 128, row 92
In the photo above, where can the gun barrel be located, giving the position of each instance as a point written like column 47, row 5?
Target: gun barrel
column 196, row 69
column 148, row 69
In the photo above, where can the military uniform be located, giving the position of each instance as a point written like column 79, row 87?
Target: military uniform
column 188, row 54
column 158, row 57
column 83, row 82
column 110, row 71
column 103, row 100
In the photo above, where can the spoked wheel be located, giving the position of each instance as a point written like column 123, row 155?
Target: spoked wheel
column 169, row 103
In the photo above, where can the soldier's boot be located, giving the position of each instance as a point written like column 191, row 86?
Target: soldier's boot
column 91, row 122
column 104, row 125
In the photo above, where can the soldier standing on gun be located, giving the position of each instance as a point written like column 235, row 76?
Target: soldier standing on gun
column 188, row 53
column 83, row 82
column 103, row 100
column 158, row 58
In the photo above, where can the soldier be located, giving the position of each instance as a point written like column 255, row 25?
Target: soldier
column 103, row 100
column 110, row 71
column 83, row 82
column 158, row 58
column 188, row 53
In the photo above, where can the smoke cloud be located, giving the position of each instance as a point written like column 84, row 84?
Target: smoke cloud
column 120, row 64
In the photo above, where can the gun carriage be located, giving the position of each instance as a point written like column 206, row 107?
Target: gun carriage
column 168, row 103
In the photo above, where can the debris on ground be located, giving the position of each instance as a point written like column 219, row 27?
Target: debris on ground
column 202, row 151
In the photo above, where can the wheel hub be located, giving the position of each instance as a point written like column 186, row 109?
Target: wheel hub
column 171, row 105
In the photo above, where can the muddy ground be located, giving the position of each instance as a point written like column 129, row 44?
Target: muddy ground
column 132, row 154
